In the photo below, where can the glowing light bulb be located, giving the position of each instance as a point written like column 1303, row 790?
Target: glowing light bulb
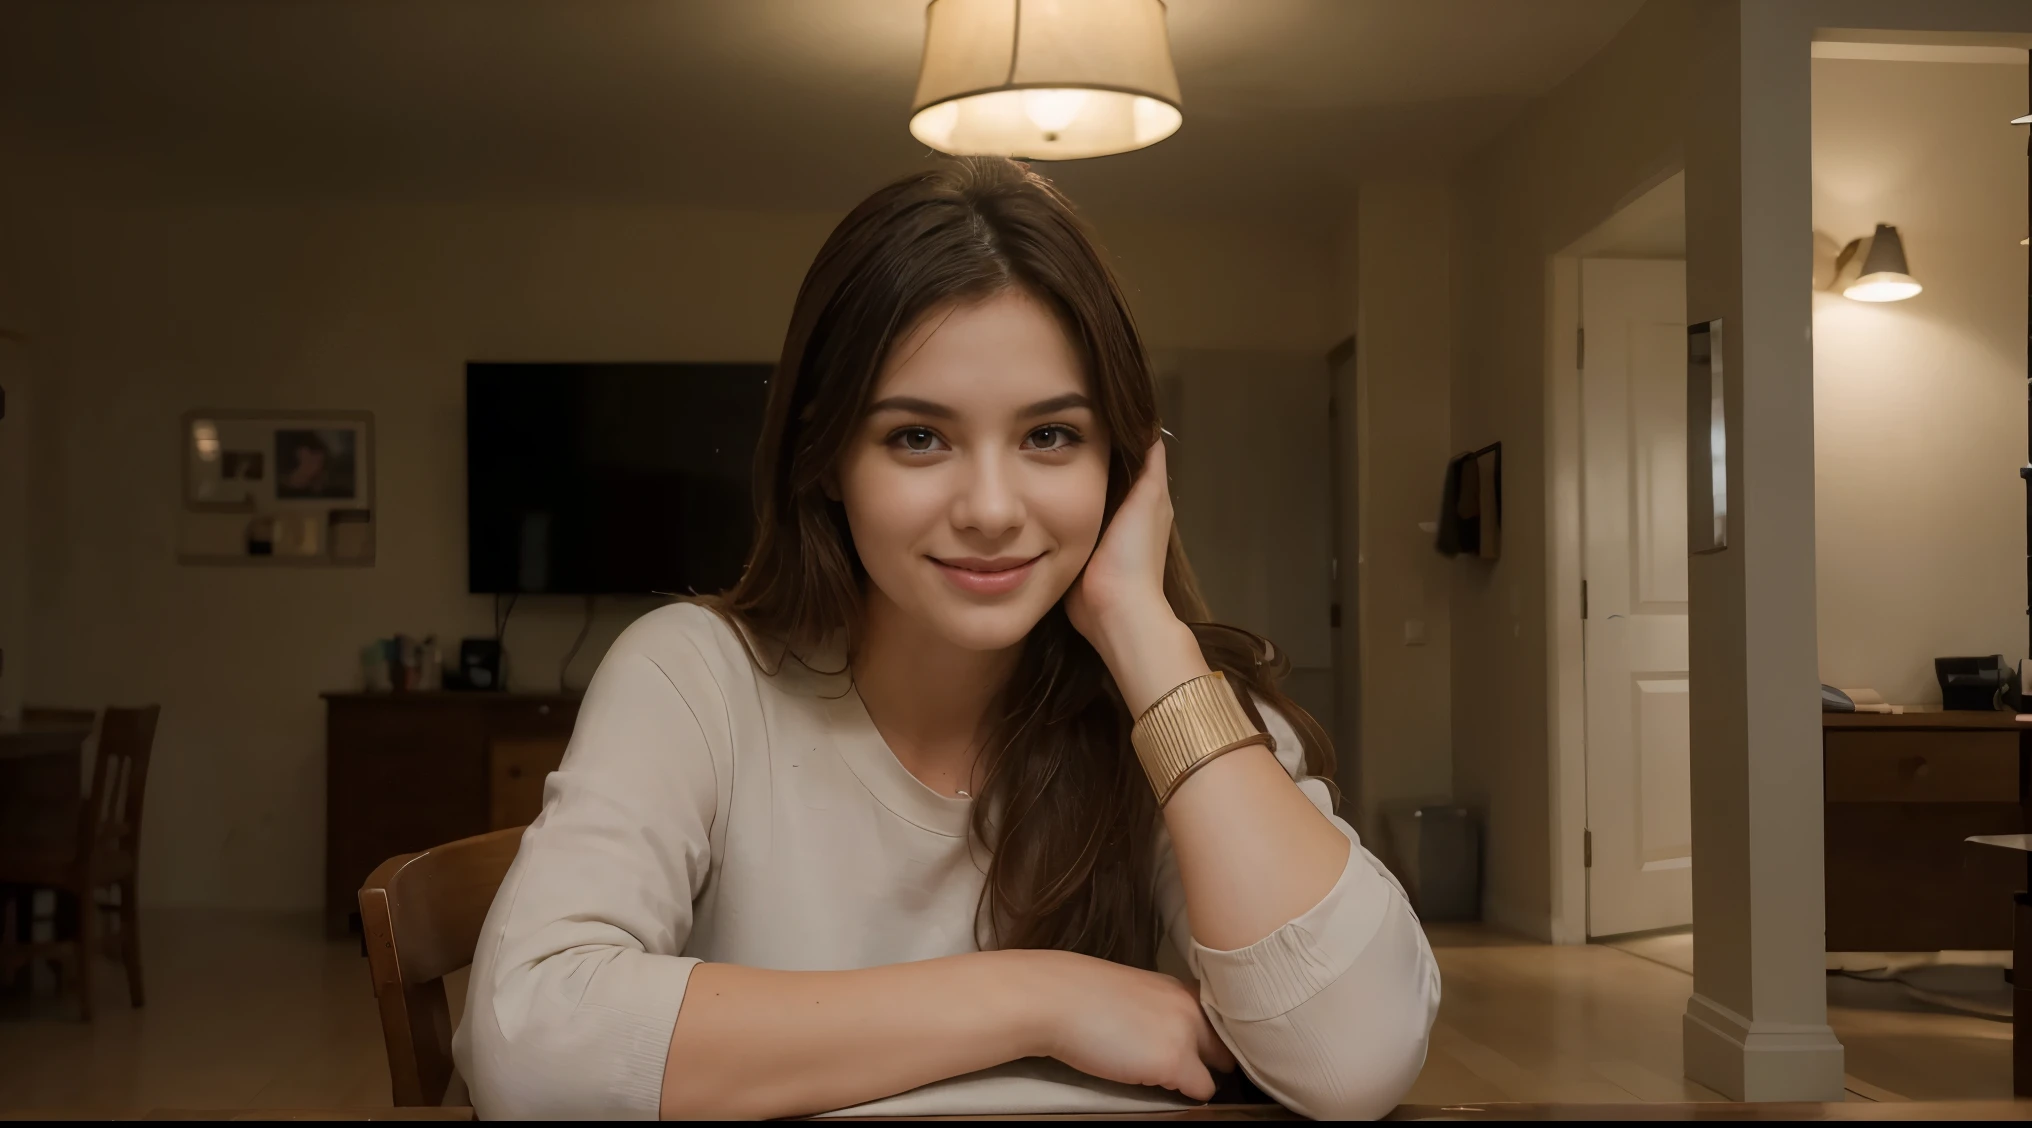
column 1053, row 110
column 206, row 439
column 1883, row 287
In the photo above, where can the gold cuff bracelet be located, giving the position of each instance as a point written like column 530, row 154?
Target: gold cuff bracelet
column 1188, row 728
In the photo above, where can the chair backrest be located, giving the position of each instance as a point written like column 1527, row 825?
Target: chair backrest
column 421, row 914
column 110, row 825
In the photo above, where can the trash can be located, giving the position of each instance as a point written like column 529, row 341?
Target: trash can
column 1437, row 853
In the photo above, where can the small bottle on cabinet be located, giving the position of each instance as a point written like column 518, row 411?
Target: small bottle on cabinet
column 433, row 665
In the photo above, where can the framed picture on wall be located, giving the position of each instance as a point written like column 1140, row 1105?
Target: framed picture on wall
column 277, row 486
column 241, row 460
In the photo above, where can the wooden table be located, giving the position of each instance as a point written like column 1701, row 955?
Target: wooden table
column 18, row 738
column 1487, row 1111
column 41, row 778
column 41, row 786
column 1772, row 1110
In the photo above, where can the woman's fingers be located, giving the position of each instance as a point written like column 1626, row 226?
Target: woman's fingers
column 1212, row 1050
column 1196, row 1082
column 1154, row 483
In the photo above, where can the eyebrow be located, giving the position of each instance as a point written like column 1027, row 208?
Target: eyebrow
column 936, row 410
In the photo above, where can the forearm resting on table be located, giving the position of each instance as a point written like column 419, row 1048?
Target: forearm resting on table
column 1253, row 852
column 751, row 1043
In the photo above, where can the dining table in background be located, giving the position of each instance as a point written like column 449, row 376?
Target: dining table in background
column 41, row 777
column 41, row 786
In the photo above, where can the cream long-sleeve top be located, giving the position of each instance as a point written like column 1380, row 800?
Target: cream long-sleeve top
column 708, row 811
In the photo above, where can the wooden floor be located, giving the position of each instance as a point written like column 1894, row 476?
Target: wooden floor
column 252, row 1010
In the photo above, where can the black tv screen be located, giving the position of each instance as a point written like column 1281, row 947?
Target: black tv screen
column 594, row 479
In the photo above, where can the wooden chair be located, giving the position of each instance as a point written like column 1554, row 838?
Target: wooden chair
column 104, row 852
column 421, row 915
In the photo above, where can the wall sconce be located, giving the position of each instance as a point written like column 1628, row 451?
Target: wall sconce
column 1872, row 268
column 1045, row 79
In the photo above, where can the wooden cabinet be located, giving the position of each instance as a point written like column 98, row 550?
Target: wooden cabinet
column 516, row 769
column 1902, row 794
column 407, row 771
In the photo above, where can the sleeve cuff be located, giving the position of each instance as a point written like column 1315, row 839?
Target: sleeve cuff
column 630, row 1010
column 1284, row 969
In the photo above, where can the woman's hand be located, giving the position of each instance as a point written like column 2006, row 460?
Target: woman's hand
column 1118, row 602
column 1124, row 578
column 1123, row 1024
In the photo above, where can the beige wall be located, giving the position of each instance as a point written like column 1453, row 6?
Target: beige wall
column 1919, row 406
column 161, row 308
column 1403, row 353
column 1594, row 143
column 1257, row 527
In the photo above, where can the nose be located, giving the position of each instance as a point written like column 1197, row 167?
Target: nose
column 989, row 500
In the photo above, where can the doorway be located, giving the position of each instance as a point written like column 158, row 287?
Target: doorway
column 1617, row 439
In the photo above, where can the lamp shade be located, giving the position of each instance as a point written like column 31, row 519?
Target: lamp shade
column 1045, row 79
column 1873, row 269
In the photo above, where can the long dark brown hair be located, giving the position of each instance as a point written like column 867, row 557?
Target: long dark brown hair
column 1063, row 808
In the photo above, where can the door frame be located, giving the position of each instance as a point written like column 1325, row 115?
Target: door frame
column 1565, row 664
column 1344, row 492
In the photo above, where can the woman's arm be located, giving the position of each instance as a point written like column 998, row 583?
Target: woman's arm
column 1331, row 1012
column 582, row 1004
column 1253, row 852
column 1312, row 965
column 754, row 1043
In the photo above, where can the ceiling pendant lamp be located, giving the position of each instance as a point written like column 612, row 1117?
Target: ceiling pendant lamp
column 1872, row 269
column 1045, row 79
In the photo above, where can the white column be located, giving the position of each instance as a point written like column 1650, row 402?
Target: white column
column 1756, row 1025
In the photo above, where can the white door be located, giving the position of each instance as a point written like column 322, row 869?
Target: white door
column 1633, row 435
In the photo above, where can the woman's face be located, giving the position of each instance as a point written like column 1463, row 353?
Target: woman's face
column 977, row 483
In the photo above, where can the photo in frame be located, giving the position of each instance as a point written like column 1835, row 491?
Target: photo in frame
column 277, row 487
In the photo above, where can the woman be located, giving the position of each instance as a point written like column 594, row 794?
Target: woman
column 929, row 789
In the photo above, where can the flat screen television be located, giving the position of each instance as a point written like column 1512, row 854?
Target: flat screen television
column 597, row 479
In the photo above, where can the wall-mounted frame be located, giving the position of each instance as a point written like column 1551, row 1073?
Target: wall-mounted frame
column 1707, row 440
column 1471, row 505
column 276, row 487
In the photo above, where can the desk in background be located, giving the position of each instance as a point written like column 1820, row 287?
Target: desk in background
column 1903, row 794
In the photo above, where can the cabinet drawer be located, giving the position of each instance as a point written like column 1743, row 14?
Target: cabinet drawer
column 1921, row 767
column 507, row 720
column 516, row 769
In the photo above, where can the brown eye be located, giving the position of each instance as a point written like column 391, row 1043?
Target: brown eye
column 916, row 440
column 1054, row 437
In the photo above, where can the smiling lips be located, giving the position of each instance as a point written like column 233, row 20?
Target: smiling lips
column 982, row 576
